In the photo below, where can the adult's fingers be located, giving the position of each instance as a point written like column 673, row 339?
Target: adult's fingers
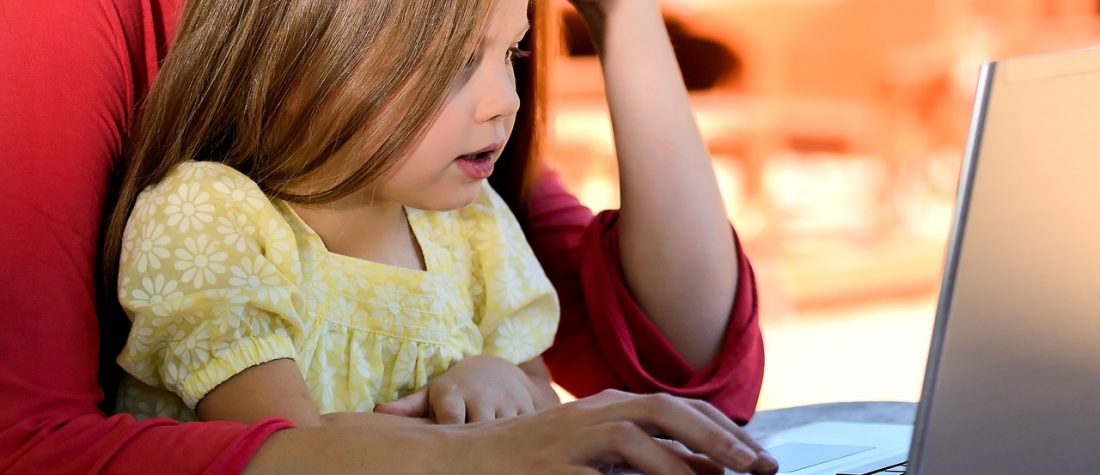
column 700, row 464
column 577, row 471
column 448, row 407
column 765, row 462
column 626, row 442
column 661, row 413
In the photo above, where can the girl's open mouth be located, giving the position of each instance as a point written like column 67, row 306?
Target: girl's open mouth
column 477, row 166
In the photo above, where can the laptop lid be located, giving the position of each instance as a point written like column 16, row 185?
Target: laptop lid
column 1013, row 378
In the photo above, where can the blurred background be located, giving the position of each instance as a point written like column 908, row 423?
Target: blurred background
column 837, row 129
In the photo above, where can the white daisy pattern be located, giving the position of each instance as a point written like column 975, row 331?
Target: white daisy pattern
column 200, row 260
column 507, row 286
column 240, row 190
column 515, row 340
column 151, row 247
column 189, row 208
column 229, row 309
column 236, row 230
column 155, row 290
column 218, row 278
column 257, row 275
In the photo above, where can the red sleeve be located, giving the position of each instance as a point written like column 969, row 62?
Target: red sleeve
column 69, row 75
column 606, row 340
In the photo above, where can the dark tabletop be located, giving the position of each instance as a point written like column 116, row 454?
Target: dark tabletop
column 768, row 422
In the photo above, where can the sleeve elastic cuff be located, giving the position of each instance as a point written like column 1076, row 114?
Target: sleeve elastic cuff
column 248, row 353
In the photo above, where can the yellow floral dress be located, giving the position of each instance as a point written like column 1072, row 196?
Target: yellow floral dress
column 217, row 277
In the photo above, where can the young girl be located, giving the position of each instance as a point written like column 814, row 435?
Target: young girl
column 313, row 233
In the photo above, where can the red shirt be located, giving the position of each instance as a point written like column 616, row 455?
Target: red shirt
column 71, row 73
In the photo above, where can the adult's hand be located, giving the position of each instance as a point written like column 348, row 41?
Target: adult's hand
column 612, row 427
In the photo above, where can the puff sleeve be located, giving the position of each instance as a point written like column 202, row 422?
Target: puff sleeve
column 209, row 276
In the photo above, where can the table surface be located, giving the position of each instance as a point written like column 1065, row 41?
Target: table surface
column 769, row 422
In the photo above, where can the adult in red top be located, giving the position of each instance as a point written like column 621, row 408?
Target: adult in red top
column 649, row 302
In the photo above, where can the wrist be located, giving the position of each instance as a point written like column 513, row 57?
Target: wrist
column 596, row 13
column 458, row 449
column 605, row 19
column 336, row 419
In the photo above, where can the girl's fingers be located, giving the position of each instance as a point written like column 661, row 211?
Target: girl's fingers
column 507, row 412
column 448, row 407
column 480, row 411
column 413, row 405
column 526, row 404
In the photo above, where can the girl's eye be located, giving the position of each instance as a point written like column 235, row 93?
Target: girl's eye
column 515, row 53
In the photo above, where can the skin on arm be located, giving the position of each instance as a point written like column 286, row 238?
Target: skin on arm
column 277, row 389
column 610, row 427
column 676, row 245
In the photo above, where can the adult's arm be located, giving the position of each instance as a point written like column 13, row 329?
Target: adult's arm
column 678, row 252
column 606, row 339
column 69, row 73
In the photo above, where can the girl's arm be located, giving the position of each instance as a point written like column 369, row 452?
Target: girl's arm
column 677, row 248
column 276, row 389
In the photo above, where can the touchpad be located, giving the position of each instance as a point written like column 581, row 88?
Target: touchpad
column 794, row 457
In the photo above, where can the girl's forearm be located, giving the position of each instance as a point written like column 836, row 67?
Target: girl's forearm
column 677, row 247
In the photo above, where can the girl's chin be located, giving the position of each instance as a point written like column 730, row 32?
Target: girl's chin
column 449, row 200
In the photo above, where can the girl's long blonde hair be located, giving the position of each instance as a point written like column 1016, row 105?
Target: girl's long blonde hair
column 280, row 89
column 277, row 89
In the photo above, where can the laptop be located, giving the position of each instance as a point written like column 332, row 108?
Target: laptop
column 1013, row 378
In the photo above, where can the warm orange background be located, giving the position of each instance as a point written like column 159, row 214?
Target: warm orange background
column 837, row 129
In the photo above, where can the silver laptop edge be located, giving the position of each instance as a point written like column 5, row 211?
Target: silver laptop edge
column 1012, row 381
column 958, row 232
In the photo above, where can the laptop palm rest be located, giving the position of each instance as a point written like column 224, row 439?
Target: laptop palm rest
column 793, row 457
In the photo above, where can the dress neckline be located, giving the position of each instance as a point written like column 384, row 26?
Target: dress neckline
column 416, row 225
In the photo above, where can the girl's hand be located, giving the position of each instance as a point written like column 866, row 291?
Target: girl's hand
column 478, row 388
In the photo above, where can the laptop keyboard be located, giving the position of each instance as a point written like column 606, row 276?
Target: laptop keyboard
column 891, row 466
column 899, row 469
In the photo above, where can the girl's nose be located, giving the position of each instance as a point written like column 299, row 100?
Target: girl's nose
column 499, row 97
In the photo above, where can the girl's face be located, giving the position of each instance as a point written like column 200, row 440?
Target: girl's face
column 444, row 171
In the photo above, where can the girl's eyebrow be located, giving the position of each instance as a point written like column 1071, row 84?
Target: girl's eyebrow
column 485, row 41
